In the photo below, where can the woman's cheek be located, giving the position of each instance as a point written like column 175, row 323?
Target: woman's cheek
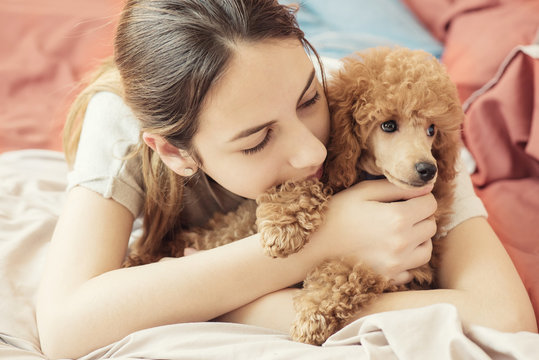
column 261, row 180
column 247, row 183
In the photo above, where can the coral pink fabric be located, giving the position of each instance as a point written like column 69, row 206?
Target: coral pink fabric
column 502, row 133
column 46, row 48
column 477, row 34
column 502, row 125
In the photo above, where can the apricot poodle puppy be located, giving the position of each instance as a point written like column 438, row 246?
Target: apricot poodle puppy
column 395, row 114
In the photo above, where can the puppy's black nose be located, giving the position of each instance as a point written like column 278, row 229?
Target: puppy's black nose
column 425, row 170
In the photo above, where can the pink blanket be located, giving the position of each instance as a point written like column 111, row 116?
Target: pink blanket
column 481, row 39
column 46, row 48
column 477, row 34
column 502, row 132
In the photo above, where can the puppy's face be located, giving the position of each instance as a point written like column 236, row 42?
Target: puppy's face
column 394, row 113
column 401, row 150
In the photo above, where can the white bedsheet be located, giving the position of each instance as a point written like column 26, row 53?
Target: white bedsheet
column 32, row 186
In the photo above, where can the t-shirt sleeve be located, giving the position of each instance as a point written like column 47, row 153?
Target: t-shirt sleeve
column 466, row 204
column 109, row 134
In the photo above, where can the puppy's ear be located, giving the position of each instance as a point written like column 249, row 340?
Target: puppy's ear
column 344, row 150
column 446, row 151
column 348, row 94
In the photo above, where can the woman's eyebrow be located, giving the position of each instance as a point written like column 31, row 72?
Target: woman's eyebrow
column 255, row 129
column 251, row 131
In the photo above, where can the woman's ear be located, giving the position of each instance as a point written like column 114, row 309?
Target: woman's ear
column 177, row 160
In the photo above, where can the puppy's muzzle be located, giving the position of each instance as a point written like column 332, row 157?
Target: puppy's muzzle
column 426, row 170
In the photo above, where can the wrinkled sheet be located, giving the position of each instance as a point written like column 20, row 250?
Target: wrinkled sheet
column 32, row 186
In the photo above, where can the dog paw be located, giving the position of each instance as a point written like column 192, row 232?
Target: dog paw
column 281, row 240
column 288, row 214
column 314, row 329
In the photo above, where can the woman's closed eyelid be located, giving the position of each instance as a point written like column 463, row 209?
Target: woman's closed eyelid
column 310, row 101
column 260, row 145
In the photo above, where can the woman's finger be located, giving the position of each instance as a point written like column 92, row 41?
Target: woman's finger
column 419, row 208
column 421, row 255
column 424, row 229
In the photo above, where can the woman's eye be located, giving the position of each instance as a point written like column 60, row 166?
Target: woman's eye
column 311, row 101
column 431, row 130
column 389, row 126
column 260, row 145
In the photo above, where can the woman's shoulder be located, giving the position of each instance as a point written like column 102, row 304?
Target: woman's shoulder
column 109, row 121
column 107, row 97
column 108, row 105
column 110, row 133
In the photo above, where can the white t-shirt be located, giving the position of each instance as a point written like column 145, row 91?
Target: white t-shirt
column 110, row 131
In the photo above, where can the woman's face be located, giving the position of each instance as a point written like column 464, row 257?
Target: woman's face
column 265, row 121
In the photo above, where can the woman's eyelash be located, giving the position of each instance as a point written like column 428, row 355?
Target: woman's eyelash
column 311, row 101
column 260, row 145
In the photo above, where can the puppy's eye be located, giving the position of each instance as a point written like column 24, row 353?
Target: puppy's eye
column 431, row 130
column 389, row 126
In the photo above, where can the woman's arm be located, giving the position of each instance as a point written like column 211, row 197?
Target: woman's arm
column 87, row 301
column 476, row 275
column 477, row 265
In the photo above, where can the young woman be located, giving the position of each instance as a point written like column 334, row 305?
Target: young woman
column 207, row 103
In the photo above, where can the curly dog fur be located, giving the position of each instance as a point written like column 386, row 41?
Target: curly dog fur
column 394, row 113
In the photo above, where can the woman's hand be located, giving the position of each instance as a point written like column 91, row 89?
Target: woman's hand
column 381, row 225
column 385, row 227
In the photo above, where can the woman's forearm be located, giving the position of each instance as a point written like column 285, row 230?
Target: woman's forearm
column 86, row 300
column 193, row 288
column 274, row 311
column 472, row 309
column 477, row 277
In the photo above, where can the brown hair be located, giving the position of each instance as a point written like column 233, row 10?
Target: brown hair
column 168, row 54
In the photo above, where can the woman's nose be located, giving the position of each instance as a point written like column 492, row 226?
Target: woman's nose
column 307, row 151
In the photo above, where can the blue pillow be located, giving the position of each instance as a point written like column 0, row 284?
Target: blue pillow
column 337, row 28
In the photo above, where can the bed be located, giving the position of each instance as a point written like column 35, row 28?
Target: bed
column 491, row 50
